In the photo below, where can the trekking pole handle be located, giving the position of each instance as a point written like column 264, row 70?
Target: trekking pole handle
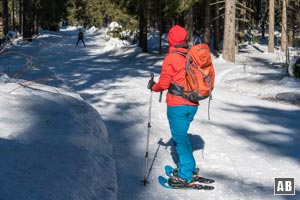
column 152, row 76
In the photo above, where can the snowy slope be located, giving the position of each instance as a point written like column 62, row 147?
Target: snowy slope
column 53, row 145
column 247, row 142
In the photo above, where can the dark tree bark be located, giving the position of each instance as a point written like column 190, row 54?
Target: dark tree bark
column 143, row 25
column 5, row 16
column 241, row 28
column 207, row 23
column 21, row 16
column 27, row 20
column 216, row 23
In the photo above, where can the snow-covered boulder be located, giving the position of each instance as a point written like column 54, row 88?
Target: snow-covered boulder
column 53, row 145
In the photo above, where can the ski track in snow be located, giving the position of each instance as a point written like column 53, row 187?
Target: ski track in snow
column 231, row 148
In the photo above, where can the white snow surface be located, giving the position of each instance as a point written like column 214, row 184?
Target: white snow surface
column 73, row 123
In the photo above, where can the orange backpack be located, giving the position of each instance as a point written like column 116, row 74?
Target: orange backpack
column 199, row 74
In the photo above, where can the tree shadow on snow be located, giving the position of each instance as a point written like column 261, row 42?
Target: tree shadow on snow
column 282, row 141
column 247, row 188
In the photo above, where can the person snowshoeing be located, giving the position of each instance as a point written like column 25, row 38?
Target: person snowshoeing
column 180, row 112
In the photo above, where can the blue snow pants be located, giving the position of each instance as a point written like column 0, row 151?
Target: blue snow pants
column 180, row 118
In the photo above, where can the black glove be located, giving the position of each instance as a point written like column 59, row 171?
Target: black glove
column 150, row 84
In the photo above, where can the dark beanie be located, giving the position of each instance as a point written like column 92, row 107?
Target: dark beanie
column 177, row 35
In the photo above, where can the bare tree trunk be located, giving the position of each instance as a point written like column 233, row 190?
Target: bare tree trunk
column 291, row 26
column 21, row 16
column 33, row 20
column 160, row 24
column 207, row 22
column 216, row 27
column 188, row 22
column 243, row 12
column 284, row 26
column 197, row 19
column 1, row 20
column 229, row 31
column 27, row 20
column 13, row 15
column 263, row 18
column 271, row 26
column 143, row 25
column 5, row 16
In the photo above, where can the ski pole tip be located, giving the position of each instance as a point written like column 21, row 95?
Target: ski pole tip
column 145, row 182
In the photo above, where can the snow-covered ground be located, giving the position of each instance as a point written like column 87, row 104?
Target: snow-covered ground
column 73, row 123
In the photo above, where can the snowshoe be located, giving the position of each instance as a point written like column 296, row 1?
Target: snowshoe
column 195, row 174
column 177, row 182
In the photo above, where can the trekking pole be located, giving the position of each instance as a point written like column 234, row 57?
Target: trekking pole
column 148, row 133
column 160, row 96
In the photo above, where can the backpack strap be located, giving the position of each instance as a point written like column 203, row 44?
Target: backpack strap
column 179, row 52
column 176, row 89
column 183, row 45
column 185, row 55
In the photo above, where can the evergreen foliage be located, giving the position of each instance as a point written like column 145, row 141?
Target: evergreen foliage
column 159, row 15
column 297, row 68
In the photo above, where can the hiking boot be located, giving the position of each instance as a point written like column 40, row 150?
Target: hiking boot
column 195, row 174
column 177, row 182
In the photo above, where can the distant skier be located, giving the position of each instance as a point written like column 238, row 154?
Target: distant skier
column 180, row 112
column 80, row 38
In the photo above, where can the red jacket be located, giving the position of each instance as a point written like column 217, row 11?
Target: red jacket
column 173, row 70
